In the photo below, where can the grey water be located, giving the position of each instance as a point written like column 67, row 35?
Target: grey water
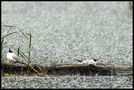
column 120, row 82
column 66, row 31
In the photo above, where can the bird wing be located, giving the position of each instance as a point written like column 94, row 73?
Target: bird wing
column 89, row 62
column 16, row 58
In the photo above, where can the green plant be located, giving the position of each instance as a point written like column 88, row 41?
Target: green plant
column 30, row 46
column 28, row 36
column 130, row 5
column 3, row 42
column 27, row 56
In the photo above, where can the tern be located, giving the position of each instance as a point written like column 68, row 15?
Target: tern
column 88, row 62
column 12, row 57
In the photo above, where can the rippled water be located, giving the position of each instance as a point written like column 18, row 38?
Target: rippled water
column 65, row 31
column 67, row 82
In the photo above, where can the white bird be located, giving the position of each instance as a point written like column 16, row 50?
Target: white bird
column 12, row 57
column 88, row 62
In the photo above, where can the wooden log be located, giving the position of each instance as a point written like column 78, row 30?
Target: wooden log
column 74, row 69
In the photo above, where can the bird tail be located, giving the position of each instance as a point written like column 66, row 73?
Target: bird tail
column 79, row 60
column 95, row 59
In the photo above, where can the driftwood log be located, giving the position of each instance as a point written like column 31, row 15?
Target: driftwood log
column 65, row 69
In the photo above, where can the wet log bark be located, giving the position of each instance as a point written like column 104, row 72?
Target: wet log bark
column 65, row 69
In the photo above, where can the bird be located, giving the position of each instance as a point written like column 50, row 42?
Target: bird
column 88, row 62
column 12, row 57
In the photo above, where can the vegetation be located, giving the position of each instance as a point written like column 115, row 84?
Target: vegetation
column 3, row 42
column 28, row 36
column 130, row 5
column 25, row 56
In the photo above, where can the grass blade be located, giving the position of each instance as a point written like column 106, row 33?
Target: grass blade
column 22, row 54
column 8, row 26
column 30, row 45
column 18, row 50
column 4, row 43
column 30, row 42
column 8, row 35
column 24, row 34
